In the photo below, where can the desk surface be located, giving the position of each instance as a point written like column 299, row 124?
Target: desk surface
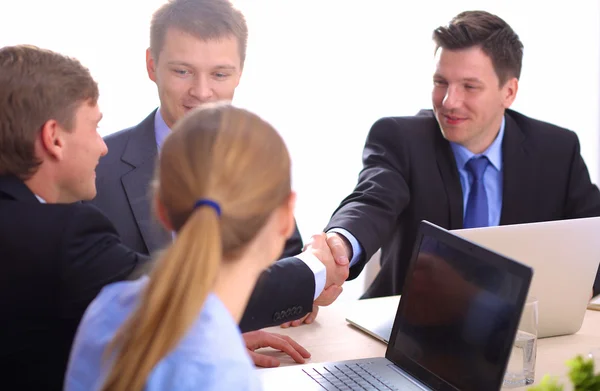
column 331, row 338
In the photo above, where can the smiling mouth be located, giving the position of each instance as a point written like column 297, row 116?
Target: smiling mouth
column 453, row 118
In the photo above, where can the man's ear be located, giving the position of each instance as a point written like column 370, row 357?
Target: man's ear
column 150, row 65
column 52, row 139
column 509, row 90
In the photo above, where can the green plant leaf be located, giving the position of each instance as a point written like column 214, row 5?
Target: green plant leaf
column 548, row 383
column 582, row 374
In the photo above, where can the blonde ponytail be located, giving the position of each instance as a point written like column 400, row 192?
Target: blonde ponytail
column 171, row 302
column 215, row 152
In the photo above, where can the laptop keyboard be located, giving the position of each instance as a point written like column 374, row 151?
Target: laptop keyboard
column 348, row 377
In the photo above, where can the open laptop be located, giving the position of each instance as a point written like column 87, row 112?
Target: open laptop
column 564, row 254
column 454, row 327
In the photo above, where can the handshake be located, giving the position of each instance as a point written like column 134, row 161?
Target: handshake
column 335, row 252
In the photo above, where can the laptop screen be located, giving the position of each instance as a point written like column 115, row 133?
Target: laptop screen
column 459, row 312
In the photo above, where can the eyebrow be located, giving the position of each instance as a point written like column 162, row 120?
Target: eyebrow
column 185, row 64
column 472, row 80
column 466, row 79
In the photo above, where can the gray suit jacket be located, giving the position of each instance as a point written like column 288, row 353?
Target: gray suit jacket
column 123, row 181
column 284, row 292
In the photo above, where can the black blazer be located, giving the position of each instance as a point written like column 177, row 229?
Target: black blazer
column 55, row 259
column 123, row 183
column 409, row 174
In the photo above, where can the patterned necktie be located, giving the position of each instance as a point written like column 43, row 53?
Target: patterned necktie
column 477, row 205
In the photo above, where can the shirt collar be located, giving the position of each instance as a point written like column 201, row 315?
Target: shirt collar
column 493, row 153
column 40, row 199
column 161, row 130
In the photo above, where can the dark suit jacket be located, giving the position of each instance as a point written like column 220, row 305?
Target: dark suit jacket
column 55, row 258
column 284, row 292
column 123, row 182
column 409, row 174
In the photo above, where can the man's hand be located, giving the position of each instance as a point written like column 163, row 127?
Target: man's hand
column 341, row 250
column 337, row 273
column 262, row 339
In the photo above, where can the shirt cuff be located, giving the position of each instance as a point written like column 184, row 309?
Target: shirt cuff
column 318, row 269
column 356, row 249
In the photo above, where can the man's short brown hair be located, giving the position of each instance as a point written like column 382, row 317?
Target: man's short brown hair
column 36, row 85
column 204, row 19
column 490, row 33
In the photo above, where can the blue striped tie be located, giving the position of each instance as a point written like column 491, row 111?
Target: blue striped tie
column 477, row 205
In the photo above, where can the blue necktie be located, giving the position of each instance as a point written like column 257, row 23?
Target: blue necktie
column 477, row 205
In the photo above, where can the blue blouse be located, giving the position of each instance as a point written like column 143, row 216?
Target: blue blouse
column 211, row 356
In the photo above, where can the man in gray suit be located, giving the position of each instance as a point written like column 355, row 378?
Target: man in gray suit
column 196, row 55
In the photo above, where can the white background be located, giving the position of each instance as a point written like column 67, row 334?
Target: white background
column 322, row 71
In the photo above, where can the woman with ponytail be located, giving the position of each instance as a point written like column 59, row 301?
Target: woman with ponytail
column 231, row 209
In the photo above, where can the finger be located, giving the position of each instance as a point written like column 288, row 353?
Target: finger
column 298, row 322
column 250, row 338
column 311, row 317
column 338, row 250
column 280, row 342
column 329, row 295
column 299, row 348
column 264, row 361
column 286, row 325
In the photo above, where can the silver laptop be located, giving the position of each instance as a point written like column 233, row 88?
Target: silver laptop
column 564, row 255
column 454, row 327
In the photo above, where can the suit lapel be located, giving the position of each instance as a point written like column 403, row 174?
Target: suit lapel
column 141, row 152
column 518, row 174
column 449, row 173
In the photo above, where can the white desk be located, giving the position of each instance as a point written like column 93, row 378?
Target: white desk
column 331, row 338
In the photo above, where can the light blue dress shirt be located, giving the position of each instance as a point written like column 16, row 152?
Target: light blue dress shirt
column 492, row 179
column 211, row 356
column 161, row 130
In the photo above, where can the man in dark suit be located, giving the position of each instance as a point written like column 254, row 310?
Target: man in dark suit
column 58, row 253
column 196, row 55
column 470, row 162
